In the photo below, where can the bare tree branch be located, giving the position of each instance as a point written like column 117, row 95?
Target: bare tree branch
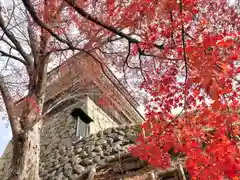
column 9, row 104
column 32, row 40
column 8, row 43
column 12, row 56
column 11, row 36
column 127, row 57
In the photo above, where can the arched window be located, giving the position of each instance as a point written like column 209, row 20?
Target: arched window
column 83, row 121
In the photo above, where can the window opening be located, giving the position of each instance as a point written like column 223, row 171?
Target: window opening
column 82, row 124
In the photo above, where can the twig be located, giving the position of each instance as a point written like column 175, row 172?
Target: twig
column 34, row 15
column 12, row 56
column 13, row 39
column 181, row 172
column 102, row 24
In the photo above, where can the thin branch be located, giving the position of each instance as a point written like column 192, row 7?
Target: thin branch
column 102, row 24
column 57, row 50
column 184, row 45
column 8, row 43
column 181, row 172
column 13, row 39
column 189, row 35
column 9, row 104
column 32, row 40
column 236, row 80
column 169, row 123
column 184, row 54
column 11, row 15
column 127, row 57
column 34, row 15
column 126, row 62
column 96, row 21
column 12, row 56
column 110, row 53
column 140, row 67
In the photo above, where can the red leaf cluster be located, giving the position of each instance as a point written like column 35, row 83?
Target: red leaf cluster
column 197, row 76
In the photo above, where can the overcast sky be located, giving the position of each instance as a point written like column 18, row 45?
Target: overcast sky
column 5, row 135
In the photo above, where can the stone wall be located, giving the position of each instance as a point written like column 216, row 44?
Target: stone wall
column 107, row 152
column 62, row 157
column 58, row 132
column 69, row 161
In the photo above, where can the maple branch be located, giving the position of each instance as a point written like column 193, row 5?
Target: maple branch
column 229, row 129
column 169, row 123
column 96, row 21
column 189, row 35
column 184, row 54
column 9, row 104
column 57, row 50
column 8, row 43
column 126, row 63
column 12, row 56
column 171, row 19
column 34, row 15
column 32, row 40
column 13, row 39
column 105, row 26
column 127, row 57
column 140, row 66
column 184, row 45
column 181, row 172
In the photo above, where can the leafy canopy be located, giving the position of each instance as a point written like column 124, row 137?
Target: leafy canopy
column 197, row 68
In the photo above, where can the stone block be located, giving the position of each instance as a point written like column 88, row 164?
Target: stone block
column 83, row 154
column 97, row 149
column 101, row 142
column 67, row 170
column 87, row 161
column 78, row 169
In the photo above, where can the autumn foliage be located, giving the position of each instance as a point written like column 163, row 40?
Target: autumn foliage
column 195, row 46
column 188, row 54
column 196, row 73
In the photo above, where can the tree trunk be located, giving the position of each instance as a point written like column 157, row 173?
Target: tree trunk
column 26, row 155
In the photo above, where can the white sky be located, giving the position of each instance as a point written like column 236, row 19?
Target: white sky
column 231, row 2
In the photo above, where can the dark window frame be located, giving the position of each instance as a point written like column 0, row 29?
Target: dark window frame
column 83, row 122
